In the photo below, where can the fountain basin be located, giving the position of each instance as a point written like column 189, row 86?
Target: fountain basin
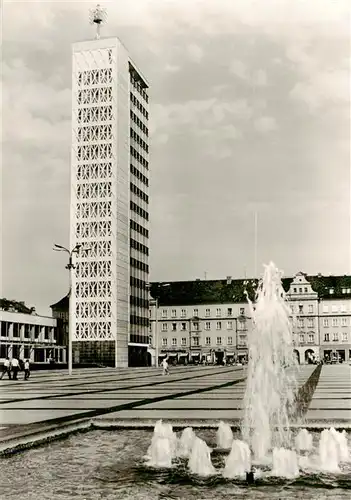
column 110, row 465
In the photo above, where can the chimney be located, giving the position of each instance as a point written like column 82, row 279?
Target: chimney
column 229, row 280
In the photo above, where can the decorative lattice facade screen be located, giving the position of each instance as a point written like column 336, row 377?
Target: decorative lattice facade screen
column 94, row 190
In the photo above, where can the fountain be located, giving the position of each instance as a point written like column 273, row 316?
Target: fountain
column 185, row 443
column 328, row 452
column 269, row 403
column 238, row 462
column 271, row 386
column 224, row 436
column 333, row 450
column 285, row 463
column 341, row 440
column 200, row 459
column 163, row 446
column 303, row 441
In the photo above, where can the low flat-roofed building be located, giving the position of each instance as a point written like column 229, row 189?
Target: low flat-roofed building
column 29, row 336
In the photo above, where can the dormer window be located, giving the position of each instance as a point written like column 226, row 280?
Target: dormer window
column 331, row 291
column 300, row 308
column 295, row 290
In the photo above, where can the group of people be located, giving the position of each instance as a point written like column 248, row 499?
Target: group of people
column 12, row 367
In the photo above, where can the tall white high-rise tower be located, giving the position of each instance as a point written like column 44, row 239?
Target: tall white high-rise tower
column 109, row 205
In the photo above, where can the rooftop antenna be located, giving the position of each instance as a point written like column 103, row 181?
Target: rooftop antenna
column 98, row 17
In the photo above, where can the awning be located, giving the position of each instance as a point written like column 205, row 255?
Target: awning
column 195, row 354
column 230, row 354
column 184, row 354
column 172, row 355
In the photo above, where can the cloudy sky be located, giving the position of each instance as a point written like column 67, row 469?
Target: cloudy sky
column 250, row 112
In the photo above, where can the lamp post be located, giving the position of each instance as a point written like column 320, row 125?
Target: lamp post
column 70, row 266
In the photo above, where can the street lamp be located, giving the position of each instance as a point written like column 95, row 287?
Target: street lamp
column 70, row 266
column 148, row 286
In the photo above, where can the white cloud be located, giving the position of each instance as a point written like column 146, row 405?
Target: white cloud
column 265, row 124
column 323, row 87
column 260, row 78
column 171, row 68
column 195, row 53
column 238, row 68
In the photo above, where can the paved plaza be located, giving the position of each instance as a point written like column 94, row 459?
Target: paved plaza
column 197, row 396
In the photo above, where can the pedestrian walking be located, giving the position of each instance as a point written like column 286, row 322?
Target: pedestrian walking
column 6, row 368
column 165, row 367
column 15, row 368
column 26, row 369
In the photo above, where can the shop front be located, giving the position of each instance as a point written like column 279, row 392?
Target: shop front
column 195, row 357
column 338, row 354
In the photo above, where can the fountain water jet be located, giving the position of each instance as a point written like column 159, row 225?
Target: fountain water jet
column 285, row 463
column 238, row 462
column 271, row 386
column 200, row 459
column 303, row 441
column 185, row 443
column 224, row 436
column 163, row 446
column 328, row 452
column 341, row 440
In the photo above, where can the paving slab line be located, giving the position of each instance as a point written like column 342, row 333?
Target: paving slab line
column 33, row 435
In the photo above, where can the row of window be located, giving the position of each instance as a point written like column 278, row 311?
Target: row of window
column 195, row 341
column 335, row 321
column 344, row 337
column 301, row 308
column 139, row 246
column 139, row 157
column 310, row 338
column 139, row 175
column 335, row 308
column 137, row 320
column 301, row 290
column 229, row 312
column 139, row 229
column 134, row 189
column 301, row 322
column 28, row 330
column 136, row 137
column 138, row 87
column 183, row 312
column 195, row 326
column 139, row 265
column 138, row 122
column 138, row 104
column 138, row 210
column 137, row 338
column 327, row 337
column 139, row 302
column 138, row 283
